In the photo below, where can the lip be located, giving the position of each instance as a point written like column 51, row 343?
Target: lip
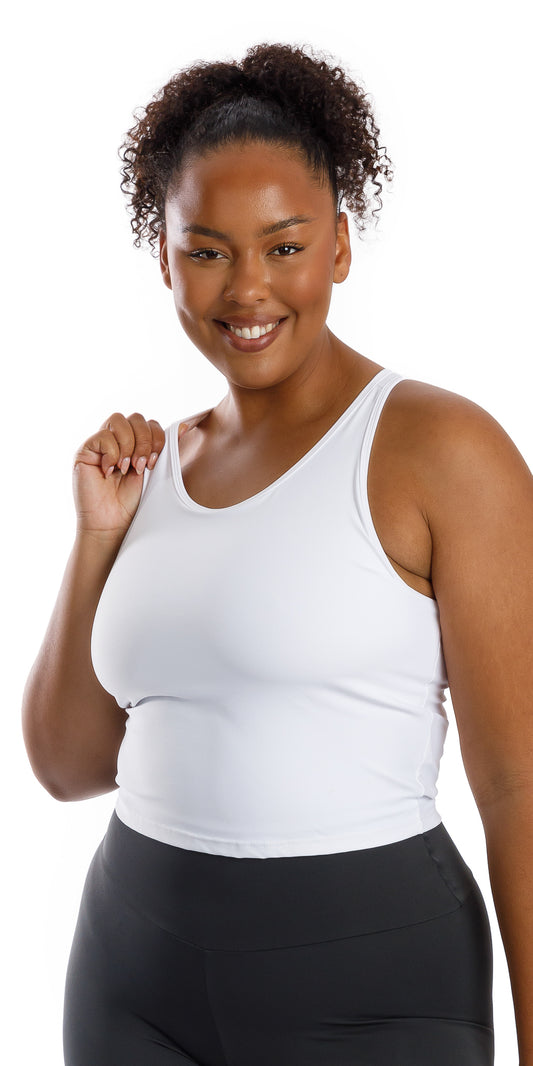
column 240, row 321
column 254, row 344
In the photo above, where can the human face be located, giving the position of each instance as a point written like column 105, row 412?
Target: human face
column 252, row 240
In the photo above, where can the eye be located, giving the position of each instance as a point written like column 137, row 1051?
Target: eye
column 287, row 249
column 205, row 254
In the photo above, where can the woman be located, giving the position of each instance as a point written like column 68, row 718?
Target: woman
column 262, row 609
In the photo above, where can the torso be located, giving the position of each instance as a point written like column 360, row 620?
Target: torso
column 217, row 474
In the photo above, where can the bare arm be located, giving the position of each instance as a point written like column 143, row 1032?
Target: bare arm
column 479, row 506
column 72, row 727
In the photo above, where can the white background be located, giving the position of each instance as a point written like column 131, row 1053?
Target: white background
column 437, row 292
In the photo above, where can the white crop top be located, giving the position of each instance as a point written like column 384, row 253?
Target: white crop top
column 284, row 685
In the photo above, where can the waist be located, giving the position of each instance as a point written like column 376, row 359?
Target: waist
column 226, row 903
column 272, row 777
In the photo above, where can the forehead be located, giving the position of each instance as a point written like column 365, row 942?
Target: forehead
column 247, row 183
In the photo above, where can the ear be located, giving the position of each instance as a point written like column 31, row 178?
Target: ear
column 163, row 259
column 343, row 252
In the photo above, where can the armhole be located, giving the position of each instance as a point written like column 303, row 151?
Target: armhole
column 366, row 514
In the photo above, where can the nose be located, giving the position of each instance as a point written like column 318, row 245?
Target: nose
column 247, row 280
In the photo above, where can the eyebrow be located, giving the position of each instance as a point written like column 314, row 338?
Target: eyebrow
column 275, row 227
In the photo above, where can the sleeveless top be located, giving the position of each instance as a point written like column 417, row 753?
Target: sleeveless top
column 284, row 685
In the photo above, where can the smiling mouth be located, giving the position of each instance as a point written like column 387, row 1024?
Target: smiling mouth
column 249, row 333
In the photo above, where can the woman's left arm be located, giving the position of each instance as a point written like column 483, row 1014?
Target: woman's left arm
column 479, row 509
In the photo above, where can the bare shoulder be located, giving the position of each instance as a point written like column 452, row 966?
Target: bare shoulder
column 418, row 407
column 446, row 440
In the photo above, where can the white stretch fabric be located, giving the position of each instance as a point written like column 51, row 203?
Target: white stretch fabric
column 284, row 685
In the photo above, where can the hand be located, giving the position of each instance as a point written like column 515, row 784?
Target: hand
column 108, row 473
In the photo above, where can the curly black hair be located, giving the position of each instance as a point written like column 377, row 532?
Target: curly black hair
column 278, row 94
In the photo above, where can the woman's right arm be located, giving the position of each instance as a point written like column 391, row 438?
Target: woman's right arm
column 72, row 726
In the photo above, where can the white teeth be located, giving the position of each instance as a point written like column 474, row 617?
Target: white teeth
column 254, row 332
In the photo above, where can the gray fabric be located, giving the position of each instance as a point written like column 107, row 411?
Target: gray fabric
column 158, row 975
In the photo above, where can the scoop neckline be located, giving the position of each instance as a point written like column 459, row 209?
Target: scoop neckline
column 177, row 476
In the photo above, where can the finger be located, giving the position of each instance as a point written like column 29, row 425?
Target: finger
column 102, row 449
column 149, row 440
column 120, row 429
column 158, row 442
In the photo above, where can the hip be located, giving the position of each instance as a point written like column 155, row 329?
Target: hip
column 221, row 902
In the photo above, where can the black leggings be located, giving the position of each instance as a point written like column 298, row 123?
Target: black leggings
column 375, row 957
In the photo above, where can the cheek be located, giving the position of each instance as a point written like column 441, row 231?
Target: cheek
column 187, row 296
column 312, row 282
column 311, row 287
column 192, row 289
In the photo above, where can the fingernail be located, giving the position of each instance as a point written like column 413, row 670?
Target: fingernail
column 152, row 460
column 140, row 464
column 125, row 464
column 109, row 471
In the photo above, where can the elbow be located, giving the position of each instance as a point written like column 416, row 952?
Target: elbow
column 42, row 761
column 71, row 765
column 58, row 792
column 59, row 786
column 73, row 794
column 69, row 779
column 72, row 781
column 512, row 787
column 57, row 789
column 68, row 791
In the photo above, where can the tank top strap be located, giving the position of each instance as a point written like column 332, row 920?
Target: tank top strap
column 373, row 410
column 376, row 401
column 361, row 417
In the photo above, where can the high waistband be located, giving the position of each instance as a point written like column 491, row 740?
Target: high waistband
column 225, row 903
